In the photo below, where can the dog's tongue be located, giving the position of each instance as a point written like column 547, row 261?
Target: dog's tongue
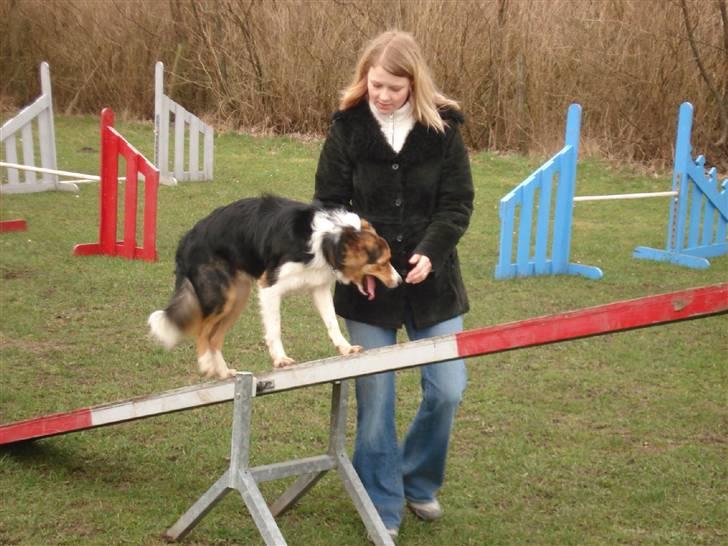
column 369, row 286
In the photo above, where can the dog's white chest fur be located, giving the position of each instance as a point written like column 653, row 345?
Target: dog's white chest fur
column 294, row 276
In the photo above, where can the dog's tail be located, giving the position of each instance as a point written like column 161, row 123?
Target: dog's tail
column 169, row 325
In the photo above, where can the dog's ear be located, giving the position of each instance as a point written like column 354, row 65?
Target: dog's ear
column 372, row 245
column 361, row 247
column 351, row 247
column 366, row 226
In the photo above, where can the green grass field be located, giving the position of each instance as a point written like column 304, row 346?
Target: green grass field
column 619, row 439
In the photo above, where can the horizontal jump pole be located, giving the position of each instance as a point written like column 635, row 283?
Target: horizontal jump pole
column 616, row 196
column 84, row 177
column 593, row 321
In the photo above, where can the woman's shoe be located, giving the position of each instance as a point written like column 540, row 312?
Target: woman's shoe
column 427, row 510
column 393, row 533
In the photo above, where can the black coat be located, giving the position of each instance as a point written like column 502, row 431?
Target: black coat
column 420, row 200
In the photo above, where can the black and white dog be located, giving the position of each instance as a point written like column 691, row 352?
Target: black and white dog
column 285, row 246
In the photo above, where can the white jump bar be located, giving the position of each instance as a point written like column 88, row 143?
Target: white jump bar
column 623, row 196
column 18, row 166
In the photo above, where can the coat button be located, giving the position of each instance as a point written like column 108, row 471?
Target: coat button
column 398, row 202
column 395, row 166
column 399, row 238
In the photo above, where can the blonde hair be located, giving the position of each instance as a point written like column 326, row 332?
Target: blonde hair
column 397, row 52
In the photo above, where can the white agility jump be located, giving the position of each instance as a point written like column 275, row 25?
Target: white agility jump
column 33, row 128
column 188, row 128
column 18, row 139
column 603, row 319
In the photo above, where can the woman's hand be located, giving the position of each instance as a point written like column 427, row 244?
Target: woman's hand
column 422, row 268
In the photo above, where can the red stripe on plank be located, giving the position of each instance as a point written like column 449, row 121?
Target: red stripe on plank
column 42, row 427
column 612, row 317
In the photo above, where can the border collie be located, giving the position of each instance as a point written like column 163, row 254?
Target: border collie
column 285, row 246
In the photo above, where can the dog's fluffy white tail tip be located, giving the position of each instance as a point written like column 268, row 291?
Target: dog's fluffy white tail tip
column 163, row 329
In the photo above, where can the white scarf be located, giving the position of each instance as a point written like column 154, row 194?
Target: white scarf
column 395, row 126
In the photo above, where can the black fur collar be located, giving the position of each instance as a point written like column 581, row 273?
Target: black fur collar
column 367, row 141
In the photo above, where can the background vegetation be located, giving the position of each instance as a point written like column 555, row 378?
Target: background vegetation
column 276, row 65
column 619, row 439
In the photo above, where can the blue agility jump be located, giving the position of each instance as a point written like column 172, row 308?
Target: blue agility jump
column 549, row 253
column 541, row 237
column 699, row 211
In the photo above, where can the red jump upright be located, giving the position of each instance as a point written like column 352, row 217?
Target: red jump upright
column 112, row 146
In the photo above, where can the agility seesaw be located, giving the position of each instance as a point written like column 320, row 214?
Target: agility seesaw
column 603, row 319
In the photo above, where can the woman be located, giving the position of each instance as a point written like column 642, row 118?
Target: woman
column 395, row 156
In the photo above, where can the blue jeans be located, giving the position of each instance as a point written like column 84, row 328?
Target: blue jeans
column 415, row 471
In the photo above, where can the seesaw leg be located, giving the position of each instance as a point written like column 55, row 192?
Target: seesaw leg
column 236, row 477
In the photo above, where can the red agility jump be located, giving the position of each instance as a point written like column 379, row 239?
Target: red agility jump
column 112, row 146
column 592, row 321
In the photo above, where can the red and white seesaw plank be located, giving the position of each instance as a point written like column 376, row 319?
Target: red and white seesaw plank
column 592, row 321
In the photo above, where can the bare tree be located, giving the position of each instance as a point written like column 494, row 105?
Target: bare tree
column 721, row 98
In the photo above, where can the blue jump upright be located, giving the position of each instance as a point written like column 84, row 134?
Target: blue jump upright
column 548, row 253
column 698, row 213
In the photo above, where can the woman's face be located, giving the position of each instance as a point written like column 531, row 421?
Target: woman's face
column 387, row 91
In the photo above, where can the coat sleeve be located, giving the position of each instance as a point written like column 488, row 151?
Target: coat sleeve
column 334, row 185
column 454, row 204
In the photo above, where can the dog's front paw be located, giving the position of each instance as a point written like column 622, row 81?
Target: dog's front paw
column 220, row 373
column 206, row 364
column 283, row 361
column 350, row 349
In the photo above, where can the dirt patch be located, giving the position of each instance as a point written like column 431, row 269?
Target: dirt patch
column 8, row 274
column 31, row 346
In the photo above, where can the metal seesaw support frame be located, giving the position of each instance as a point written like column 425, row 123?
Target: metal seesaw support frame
column 245, row 479
column 602, row 319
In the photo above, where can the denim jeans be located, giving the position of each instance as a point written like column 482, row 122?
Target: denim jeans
column 416, row 470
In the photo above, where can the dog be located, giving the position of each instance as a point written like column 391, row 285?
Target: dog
column 284, row 246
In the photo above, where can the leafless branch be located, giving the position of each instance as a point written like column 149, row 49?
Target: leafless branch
column 720, row 100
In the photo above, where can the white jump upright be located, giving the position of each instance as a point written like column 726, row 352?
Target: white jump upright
column 603, row 319
column 185, row 167
column 18, row 132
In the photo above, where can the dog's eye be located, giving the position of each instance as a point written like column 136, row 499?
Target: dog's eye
column 373, row 255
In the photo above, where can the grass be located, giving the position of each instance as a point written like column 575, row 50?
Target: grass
column 621, row 439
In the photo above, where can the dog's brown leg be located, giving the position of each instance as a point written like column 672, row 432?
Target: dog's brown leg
column 205, row 354
column 236, row 301
column 199, row 328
